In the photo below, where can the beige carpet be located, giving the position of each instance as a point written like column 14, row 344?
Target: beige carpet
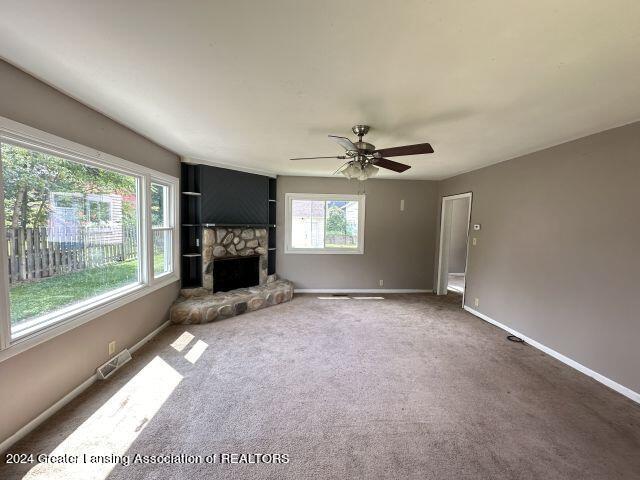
column 409, row 387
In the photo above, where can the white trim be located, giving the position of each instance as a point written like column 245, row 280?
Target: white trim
column 289, row 249
column 149, row 336
column 5, row 320
column 361, row 290
column 36, row 422
column 442, row 262
column 64, row 320
column 19, row 346
column 228, row 166
column 627, row 392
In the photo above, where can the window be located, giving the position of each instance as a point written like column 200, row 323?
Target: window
column 162, row 228
column 76, row 241
column 324, row 223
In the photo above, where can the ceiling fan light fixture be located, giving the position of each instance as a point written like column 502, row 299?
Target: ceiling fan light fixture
column 353, row 170
column 358, row 171
column 371, row 170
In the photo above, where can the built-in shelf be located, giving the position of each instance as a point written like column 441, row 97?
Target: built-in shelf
column 272, row 200
column 191, row 255
column 192, row 194
column 271, row 248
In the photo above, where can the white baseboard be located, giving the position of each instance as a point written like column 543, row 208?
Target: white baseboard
column 36, row 422
column 149, row 337
column 360, row 290
column 627, row 392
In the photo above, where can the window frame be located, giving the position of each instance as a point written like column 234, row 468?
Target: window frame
column 290, row 249
column 171, row 202
column 71, row 317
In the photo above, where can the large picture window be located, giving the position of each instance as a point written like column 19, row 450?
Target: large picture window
column 75, row 233
column 324, row 223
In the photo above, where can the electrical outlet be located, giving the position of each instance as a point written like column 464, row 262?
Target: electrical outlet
column 476, row 302
column 402, row 205
column 112, row 347
column 474, row 241
column 381, row 283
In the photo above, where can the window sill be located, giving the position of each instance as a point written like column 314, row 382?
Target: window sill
column 64, row 322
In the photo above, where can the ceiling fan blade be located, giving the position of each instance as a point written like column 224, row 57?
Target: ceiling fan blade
column 340, row 157
column 391, row 165
column 417, row 149
column 344, row 142
column 340, row 168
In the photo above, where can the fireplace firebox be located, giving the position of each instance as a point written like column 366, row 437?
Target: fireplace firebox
column 230, row 273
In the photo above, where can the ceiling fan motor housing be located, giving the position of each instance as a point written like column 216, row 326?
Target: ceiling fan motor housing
column 365, row 146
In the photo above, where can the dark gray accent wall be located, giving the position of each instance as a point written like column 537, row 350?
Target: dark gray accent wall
column 558, row 255
column 233, row 197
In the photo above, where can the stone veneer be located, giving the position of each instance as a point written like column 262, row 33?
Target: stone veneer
column 199, row 305
column 232, row 242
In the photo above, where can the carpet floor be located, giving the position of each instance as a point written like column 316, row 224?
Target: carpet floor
column 405, row 387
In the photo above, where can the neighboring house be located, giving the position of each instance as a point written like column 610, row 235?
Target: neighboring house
column 307, row 223
column 85, row 218
column 351, row 211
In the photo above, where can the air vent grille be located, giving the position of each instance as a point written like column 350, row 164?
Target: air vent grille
column 109, row 368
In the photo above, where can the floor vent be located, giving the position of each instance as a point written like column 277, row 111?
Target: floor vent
column 108, row 369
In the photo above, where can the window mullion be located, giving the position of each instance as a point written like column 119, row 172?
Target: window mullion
column 146, row 265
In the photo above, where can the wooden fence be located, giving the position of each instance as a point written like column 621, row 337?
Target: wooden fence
column 35, row 253
column 347, row 240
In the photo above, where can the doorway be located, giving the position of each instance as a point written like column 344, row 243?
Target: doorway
column 455, row 216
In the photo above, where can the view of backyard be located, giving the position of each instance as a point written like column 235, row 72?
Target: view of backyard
column 32, row 299
column 71, row 231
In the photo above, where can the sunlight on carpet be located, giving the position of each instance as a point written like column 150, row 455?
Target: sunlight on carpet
column 196, row 351
column 182, row 341
column 112, row 429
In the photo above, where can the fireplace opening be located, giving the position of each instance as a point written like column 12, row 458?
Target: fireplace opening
column 230, row 273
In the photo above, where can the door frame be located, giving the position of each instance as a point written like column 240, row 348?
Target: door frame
column 443, row 245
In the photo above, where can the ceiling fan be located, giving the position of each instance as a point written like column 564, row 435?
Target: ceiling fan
column 363, row 159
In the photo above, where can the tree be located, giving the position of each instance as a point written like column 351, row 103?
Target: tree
column 336, row 221
column 29, row 177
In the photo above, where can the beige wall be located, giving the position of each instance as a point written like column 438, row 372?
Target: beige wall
column 33, row 380
column 458, row 241
column 398, row 246
column 558, row 255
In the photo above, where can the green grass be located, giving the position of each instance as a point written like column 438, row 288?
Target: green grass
column 32, row 299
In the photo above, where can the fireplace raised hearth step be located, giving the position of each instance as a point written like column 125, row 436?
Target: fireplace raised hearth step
column 199, row 305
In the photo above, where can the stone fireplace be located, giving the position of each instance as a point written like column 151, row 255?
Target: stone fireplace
column 228, row 244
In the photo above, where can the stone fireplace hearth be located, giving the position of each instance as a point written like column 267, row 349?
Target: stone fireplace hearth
column 220, row 243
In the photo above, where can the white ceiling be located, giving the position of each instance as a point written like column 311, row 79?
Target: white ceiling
column 251, row 83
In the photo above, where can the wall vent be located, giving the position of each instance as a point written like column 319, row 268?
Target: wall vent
column 108, row 369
